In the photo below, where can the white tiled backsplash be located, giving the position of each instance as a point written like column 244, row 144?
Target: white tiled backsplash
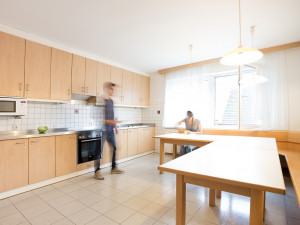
column 63, row 116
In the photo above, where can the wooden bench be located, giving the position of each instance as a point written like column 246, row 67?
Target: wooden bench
column 288, row 144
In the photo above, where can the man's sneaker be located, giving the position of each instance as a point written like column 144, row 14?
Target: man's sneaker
column 98, row 175
column 116, row 170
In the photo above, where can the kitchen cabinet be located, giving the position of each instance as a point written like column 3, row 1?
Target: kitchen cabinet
column 91, row 77
column 132, row 145
column 12, row 58
column 61, row 66
column 78, row 75
column 13, row 164
column 41, row 159
column 117, row 78
column 106, row 154
column 103, row 75
column 142, row 140
column 122, row 141
column 37, row 70
column 66, row 154
column 127, row 88
column 135, row 92
column 144, row 91
column 150, row 140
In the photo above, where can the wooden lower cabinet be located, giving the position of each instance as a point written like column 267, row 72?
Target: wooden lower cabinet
column 122, row 141
column 142, row 140
column 132, row 145
column 41, row 159
column 13, row 164
column 106, row 153
column 151, row 139
column 66, row 154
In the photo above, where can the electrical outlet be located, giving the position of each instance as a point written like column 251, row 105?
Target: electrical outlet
column 158, row 111
column 14, row 127
column 76, row 111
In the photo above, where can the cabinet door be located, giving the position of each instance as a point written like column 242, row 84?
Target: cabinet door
column 127, row 88
column 78, row 75
column 91, row 77
column 12, row 58
column 61, row 65
column 66, row 154
column 117, row 77
column 37, row 70
column 142, row 137
column 103, row 75
column 13, row 164
column 141, row 89
column 122, row 142
column 152, row 140
column 136, row 81
column 132, row 142
column 106, row 154
column 41, row 159
column 145, row 90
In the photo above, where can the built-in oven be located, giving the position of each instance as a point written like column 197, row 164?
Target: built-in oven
column 89, row 145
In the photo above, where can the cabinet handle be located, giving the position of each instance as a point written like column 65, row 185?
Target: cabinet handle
column 87, row 90
column 69, row 91
column 21, row 86
column 27, row 87
column 82, row 89
column 35, row 141
column 20, row 143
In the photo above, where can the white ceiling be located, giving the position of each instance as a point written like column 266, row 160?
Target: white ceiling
column 155, row 34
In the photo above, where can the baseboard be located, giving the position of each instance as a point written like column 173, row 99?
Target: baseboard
column 64, row 177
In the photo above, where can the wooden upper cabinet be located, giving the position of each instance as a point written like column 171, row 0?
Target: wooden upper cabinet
column 13, row 164
column 78, row 75
column 145, row 91
column 117, row 78
column 66, row 154
column 37, row 70
column 61, row 65
column 127, row 88
column 12, row 58
column 136, row 89
column 103, row 75
column 91, row 77
column 41, row 159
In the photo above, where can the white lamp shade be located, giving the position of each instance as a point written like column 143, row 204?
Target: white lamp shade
column 241, row 56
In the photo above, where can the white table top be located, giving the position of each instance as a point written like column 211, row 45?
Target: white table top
column 244, row 161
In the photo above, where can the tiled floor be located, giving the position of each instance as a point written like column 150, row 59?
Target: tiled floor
column 139, row 196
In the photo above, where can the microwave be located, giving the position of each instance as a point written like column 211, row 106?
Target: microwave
column 13, row 106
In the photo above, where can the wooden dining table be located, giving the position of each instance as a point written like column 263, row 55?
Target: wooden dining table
column 247, row 166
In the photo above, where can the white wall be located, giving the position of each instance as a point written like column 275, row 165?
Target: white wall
column 293, row 73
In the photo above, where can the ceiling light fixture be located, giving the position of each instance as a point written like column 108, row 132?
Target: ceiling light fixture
column 241, row 55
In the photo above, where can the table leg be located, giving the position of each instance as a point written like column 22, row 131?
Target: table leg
column 174, row 151
column 180, row 200
column 264, row 205
column 256, row 207
column 219, row 194
column 212, row 197
column 162, row 153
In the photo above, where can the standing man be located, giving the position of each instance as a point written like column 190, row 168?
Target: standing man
column 110, row 125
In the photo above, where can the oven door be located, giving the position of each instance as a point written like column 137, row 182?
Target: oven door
column 88, row 150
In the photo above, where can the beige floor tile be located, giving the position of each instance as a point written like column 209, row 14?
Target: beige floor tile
column 42, row 190
column 276, row 208
column 62, row 184
column 102, row 220
column 198, row 221
column 7, row 208
column 21, row 197
column 91, row 199
column 84, row 216
column 48, row 218
column 120, row 197
column 293, row 212
column 60, row 201
column 49, row 195
column 159, row 223
column 134, row 190
column 139, row 219
column 88, row 182
column 136, row 203
column 211, row 214
column 71, row 208
column 24, row 223
column 79, row 193
column 98, row 186
column 35, row 211
column 69, row 188
column 120, row 214
column 154, row 210
column 64, row 221
column 107, row 192
column 166, row 200
column 104, row 206
column 13, row 219
column 149, row 195
column 170, row 217
column 28, row 203
column 292, row 221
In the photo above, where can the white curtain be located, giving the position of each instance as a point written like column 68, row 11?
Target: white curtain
column 272, row 96
column 185, row 90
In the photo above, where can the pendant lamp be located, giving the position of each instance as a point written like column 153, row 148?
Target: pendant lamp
column 241, row 55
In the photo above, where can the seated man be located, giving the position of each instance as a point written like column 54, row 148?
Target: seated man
column 192, row 126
